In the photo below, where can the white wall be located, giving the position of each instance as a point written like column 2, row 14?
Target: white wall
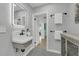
column 53, row 44
column 69, row 20
column 70, row 23
column 6, row 47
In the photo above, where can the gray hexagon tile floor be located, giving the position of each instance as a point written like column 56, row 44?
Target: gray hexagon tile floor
column 41, row 52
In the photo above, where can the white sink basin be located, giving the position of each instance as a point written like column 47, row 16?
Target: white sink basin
column 21, row 39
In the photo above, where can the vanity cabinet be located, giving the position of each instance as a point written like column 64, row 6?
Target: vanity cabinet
column 69, row 45
column 63, row 49
column 23, row 49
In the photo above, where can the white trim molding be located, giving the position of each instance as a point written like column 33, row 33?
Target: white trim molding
column 39, row 13
column 32, row 47
column 54, row 51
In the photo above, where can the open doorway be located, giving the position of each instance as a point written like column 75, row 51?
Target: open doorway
column 40, row 30
column 43, row 37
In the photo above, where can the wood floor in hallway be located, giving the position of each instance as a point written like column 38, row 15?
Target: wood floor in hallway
column 42, row 44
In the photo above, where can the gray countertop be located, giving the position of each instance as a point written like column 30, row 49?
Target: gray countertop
column 71, row 37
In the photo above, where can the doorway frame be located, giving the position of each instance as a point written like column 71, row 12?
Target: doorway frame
column 39, row 13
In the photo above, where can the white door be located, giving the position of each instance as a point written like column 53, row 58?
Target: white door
column 38, row 22
column 35, row 31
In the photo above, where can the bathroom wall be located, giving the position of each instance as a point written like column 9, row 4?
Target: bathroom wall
column 69, row 19
column 6, row 47
column 54, row 45
column 70, row 23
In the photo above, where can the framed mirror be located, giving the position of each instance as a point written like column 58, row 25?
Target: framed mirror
column 19, row 16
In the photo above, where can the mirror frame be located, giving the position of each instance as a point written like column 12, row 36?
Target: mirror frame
column 22, row 7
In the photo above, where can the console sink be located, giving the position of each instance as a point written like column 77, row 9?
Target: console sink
column 21, row 39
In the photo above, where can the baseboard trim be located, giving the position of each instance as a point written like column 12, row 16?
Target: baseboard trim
column 29, row 51
column 54, row 51
column 37, row 43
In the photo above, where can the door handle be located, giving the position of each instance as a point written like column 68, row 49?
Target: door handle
column 52, row 31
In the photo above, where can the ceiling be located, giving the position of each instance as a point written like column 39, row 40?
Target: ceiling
column 17, row 8
column 36, row 4
column 33, row 5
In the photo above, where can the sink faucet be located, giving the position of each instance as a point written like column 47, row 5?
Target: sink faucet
column 22, row 32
